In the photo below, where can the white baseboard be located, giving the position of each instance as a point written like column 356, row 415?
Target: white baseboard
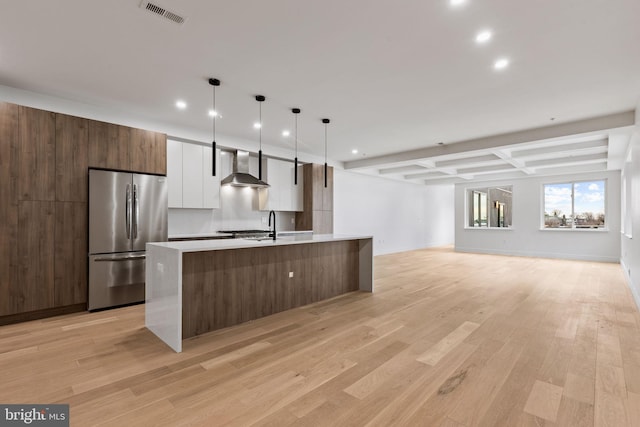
column 532, row 254
column 634, row 292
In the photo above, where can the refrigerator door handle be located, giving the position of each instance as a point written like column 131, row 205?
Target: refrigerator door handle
column 127, row 210
column 136, row 211
column 124, row 258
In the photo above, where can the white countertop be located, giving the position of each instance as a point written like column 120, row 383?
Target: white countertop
column 222, row 244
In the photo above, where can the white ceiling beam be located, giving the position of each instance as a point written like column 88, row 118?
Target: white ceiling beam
column 506, row 167
column 568, row 160
column 600, row 143
column 598, row 124
column 428, row 174
column 467, row 160
column 516, row 163
column 589, row 167
column 401, row 169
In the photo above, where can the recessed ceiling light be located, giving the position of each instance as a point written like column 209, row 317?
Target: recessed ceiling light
column 213, row 113
column 354, row 151
column 286, row 133
column 483, row 36
column 257, row 125
column 181, row 104
column 501, row 64
column 457, row 2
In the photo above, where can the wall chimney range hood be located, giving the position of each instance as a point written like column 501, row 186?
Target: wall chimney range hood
column 240, row 177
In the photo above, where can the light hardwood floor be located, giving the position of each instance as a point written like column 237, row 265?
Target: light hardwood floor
column 447, row 339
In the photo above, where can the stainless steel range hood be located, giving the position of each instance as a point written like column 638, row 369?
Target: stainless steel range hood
column 240, row 177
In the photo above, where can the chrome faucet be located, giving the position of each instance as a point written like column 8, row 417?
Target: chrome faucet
column 274, row 223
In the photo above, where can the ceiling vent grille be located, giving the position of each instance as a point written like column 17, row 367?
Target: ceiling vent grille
column 161, row 11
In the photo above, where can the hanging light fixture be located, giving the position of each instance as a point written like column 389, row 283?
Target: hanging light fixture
column 214, row 83
column 326, row 122
column 260, row 100
column 296, row 111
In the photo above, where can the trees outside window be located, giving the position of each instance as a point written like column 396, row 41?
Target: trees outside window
column 575, row 205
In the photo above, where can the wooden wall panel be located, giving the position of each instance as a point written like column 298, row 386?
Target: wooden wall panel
column 148, row 151
column 72, row 158
column 109, row 146
column 37, row 155
column 9, row 137
column 327, row 192
column 224, row 288
column 70, row 263
column 35, row 287
column 198, row 275
column 318, row 200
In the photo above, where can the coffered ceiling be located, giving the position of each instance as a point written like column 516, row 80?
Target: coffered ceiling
column 404, row 83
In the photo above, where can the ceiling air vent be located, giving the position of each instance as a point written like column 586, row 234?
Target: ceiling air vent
column 161, row 11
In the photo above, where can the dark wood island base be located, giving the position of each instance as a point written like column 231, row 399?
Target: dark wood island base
column 197, row 287
column 224, row 288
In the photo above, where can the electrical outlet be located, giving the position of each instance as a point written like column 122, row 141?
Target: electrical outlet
column 160, row 267
column 265, row 220
column 293, row 220
column 290, row 274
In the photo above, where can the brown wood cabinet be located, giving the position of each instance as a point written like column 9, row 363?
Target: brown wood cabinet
column 44, row 161
column 124, row 148
column 226, row 287
column 9, row 134
column 72, row 136
column 108, row 145
column 70, row 261
column 317, row 200
column 148, row 152
column 37, row 155
column 34, row 289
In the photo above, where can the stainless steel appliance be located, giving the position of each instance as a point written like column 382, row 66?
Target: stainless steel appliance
column 126, row 210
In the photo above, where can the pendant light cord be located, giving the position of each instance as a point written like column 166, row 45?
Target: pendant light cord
column 215, row 113
column 296, row 116
column 325, row 143
column 260, row 105
column 214, row 82
column 326, row 168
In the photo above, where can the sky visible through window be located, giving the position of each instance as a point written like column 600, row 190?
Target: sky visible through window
column 588, row 208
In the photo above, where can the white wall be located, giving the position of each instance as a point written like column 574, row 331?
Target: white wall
column 399, row 216
column 526, row 238
column 630, row 256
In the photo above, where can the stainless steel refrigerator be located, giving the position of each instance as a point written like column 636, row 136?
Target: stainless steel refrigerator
column 126, row 210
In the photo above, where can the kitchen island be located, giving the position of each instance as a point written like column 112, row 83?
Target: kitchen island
column 194, row 287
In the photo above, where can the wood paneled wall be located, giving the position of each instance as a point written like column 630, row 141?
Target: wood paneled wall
column 317, row 200
column 9, row 135
column 224, row 288
column 44, row 160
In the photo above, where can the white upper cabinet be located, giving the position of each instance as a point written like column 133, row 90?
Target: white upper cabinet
column 211, row 184
column 189, row 173
column 283, row 194
column 174, row 173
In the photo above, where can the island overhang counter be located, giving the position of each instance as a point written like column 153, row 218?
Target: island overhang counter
column 194, row 287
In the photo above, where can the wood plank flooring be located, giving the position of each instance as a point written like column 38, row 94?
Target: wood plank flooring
column 447, row 339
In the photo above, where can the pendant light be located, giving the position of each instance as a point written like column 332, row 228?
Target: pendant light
column 296, row 111
column 260, row 100
column 326, row 122
column 214, row 83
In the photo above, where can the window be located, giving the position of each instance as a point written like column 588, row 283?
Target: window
column 574, row 205
column 489, row 207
